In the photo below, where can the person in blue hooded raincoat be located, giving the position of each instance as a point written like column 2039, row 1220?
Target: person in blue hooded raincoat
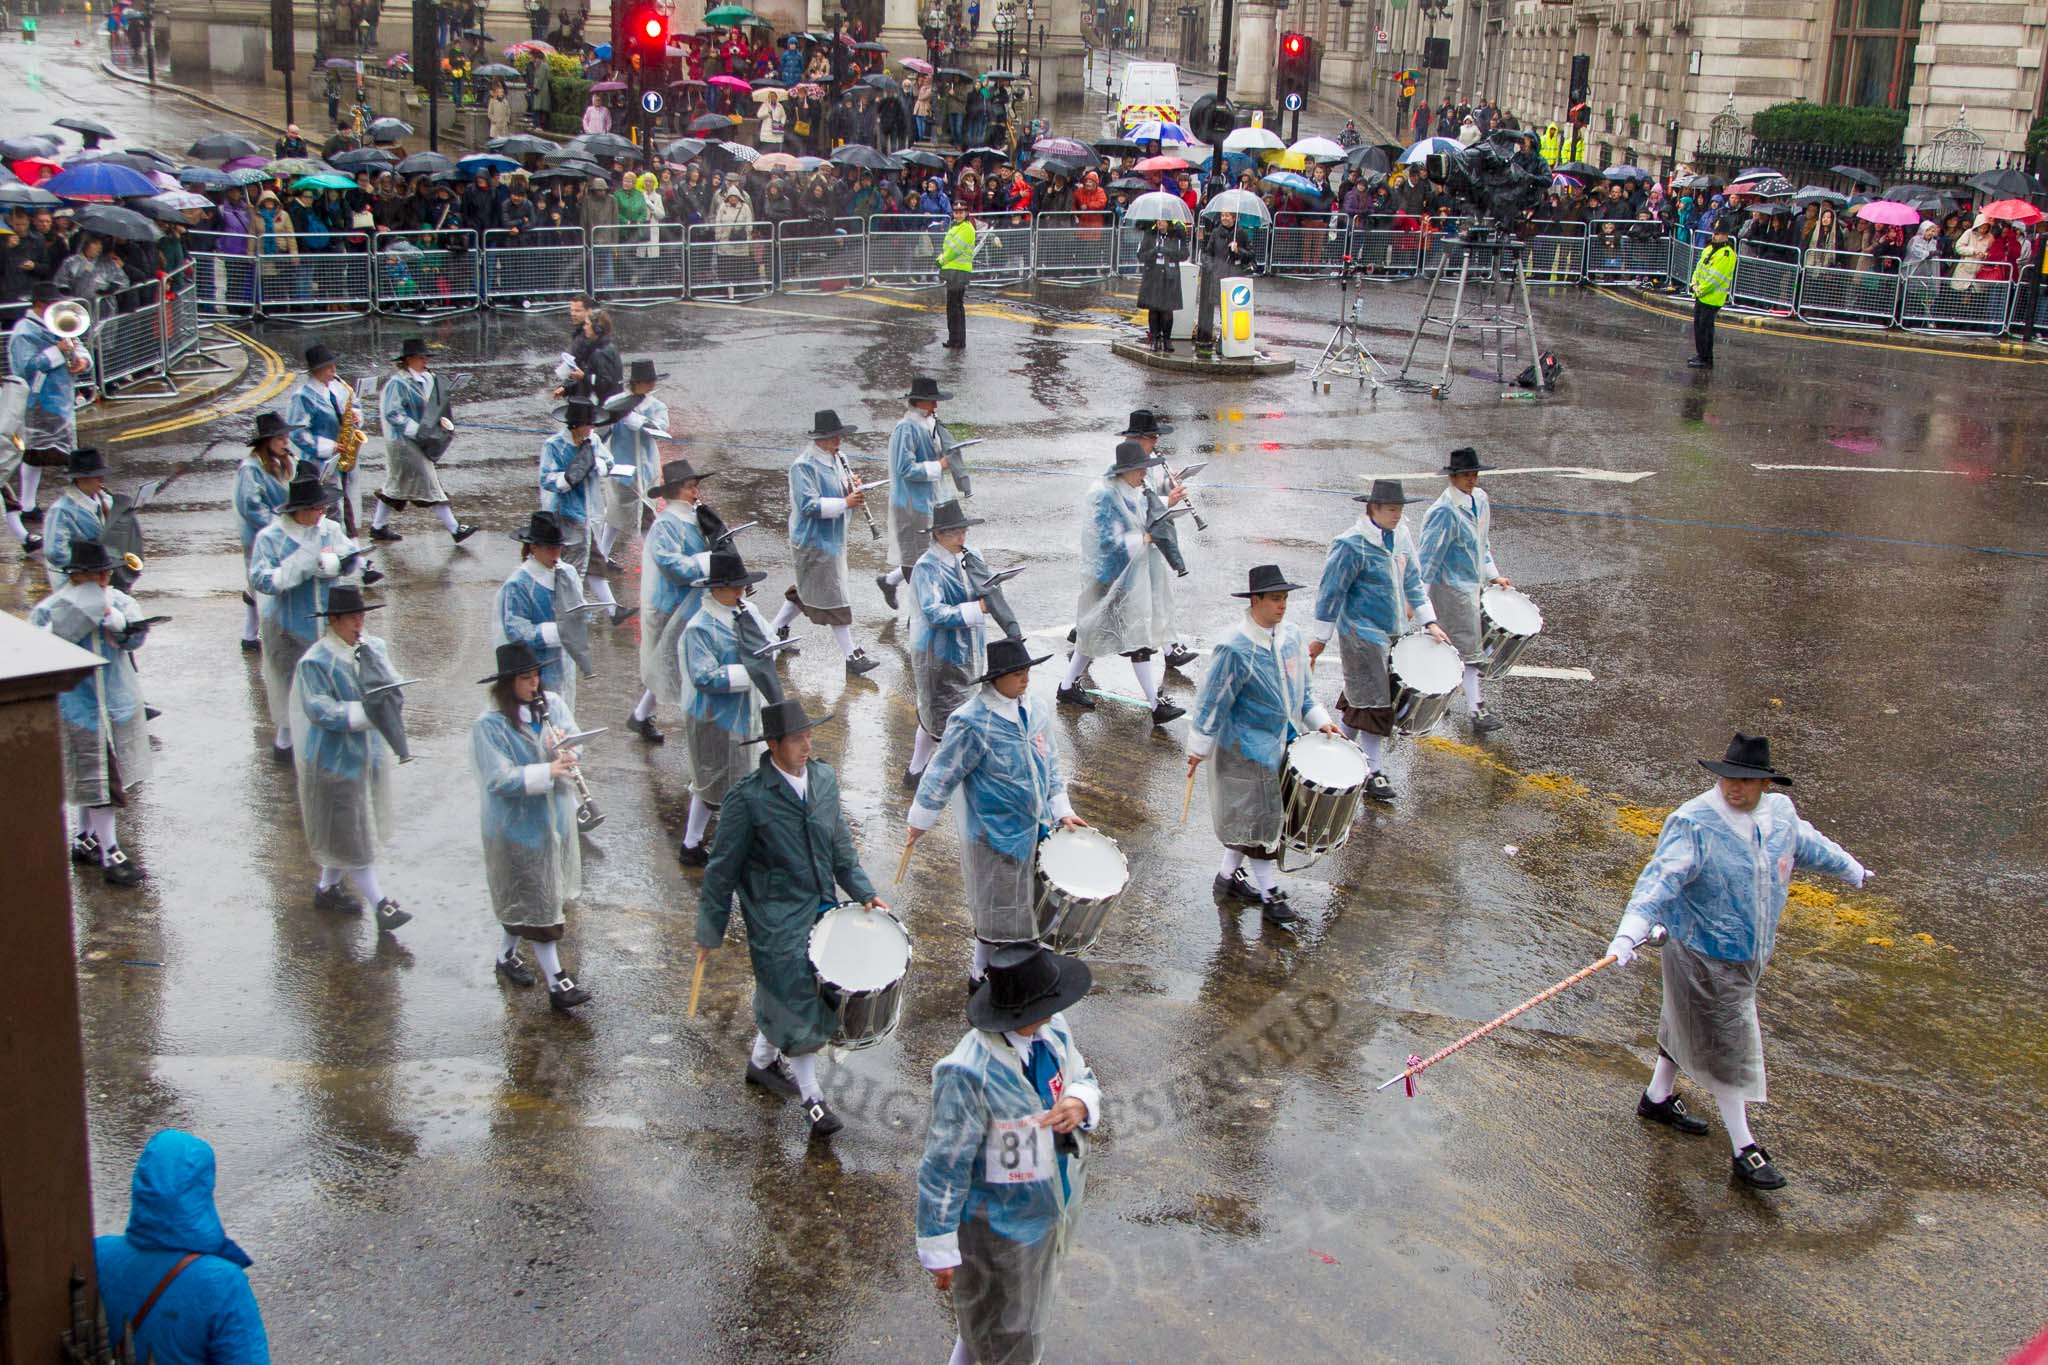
column 344, row 763
column 999, row 747
column 823, row 494
column 1371, row 586
column 293, row 564
column 677, row 553
column 1005, row 1166
column 1717, row 882
column 947, row 639
column 1125, row 606
column 1256, row 699
column 51, row 366
column 80, row 514
column 261, row 482
column 206, row 1313
column 573, row 468
column 102, row 719
column 1457, row 565
column 916, row 469
column 530, row 604
column 720, row 697
column 533, row 860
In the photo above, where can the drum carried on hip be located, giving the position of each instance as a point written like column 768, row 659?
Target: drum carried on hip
column 860, row 958
column 1508, row 620
column 1424, row 674
column 1080, row 874
column 1321, row 781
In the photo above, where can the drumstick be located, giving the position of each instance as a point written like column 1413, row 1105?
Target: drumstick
column 696, row 984
column 1187, row 798
column 903, row 863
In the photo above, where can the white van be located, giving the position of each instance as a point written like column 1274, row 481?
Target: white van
column 1150, row 90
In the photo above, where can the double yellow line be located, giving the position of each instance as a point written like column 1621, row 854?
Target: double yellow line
column 2011, row 352
column 277, row 377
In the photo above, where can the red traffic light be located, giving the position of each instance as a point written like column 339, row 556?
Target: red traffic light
column 1293, row 44
column 651, row 29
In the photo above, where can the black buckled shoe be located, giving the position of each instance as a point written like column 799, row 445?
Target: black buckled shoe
column 121, row 870
column 336, row 899
column 565, row 995
column 385, row 534
column 32, row 545
column 824, row 1123
column 85, row 850
column 372, row 577
column 888, row 590
column 1275, row 910
column 514, row 971
column 776, row 1078
column 858, row 663
column 390, row 917
column 252, row 646
column 32, row 517
column 1379, row 789
column 1484, row 722
column 692, row 857
column 782, row 637
column 1166, row 711
column 1237, row 887
column 1179, row 656
column 463, row 531
column 911, row 780
column 1672, row 1114
column 1753, row 1168
column 281, row 754
column 1074, row 696
column 645, row 729
column 622, row 613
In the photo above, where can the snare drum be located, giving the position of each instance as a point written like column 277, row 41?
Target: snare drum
column 1320, row 785
column 1508, row 621
column 1424, row 675
column 1080, row 874
column 860, row 958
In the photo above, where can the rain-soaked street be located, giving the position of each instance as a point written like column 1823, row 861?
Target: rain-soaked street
column 1840, row 545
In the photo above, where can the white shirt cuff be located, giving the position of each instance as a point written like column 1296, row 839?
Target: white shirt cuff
column 931, row 469
column 1425, row 615
column 830, row 508
column 939, row 1253
column 970, row 613
column 551, row 635
column 1319, row 716
column 324, row 445
column 1321, row 630
column 700, row 564
column 921, row 816
column 736, row 678
column 358, row 718
column 1200, row 745
column 633, row 421
column 1134, row 541
column 1492, row 569
column 1062, row 808
column 53, row 356
column 1091, row 1099
column 537, row 778
column 412, row 429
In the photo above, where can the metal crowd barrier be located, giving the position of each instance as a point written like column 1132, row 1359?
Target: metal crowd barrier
column 638, row 263
column 128, row 334
column 226, row 284
column 1307, row 245
column 428, row 274
column 1558, row 252
column 809, row 260
column 903, row 250
column 1003, row 248
column 1834, row 291
column 731, row 261
column 1075, row 248
column 1766, row 279
column 1625, row 255
column 1128, row 238
column 308, row 287
column 539, row 265
column 1387, row 247
column 1972, row 307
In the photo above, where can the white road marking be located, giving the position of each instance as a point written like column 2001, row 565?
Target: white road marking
column 1893, row 469
column 1566, row 471
column 1554, row 674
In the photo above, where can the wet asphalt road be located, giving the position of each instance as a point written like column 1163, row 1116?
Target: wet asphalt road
column 429, row 1165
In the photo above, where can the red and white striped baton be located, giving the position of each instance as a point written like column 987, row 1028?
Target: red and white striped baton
column 1418, row 1065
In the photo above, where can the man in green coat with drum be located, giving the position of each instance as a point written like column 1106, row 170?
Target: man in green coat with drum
column 782, row 845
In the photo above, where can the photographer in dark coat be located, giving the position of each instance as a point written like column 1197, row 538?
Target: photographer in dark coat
column 1160, row 252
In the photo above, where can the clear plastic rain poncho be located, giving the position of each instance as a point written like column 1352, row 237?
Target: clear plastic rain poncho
column 947, row 640
column 574, row 504
column 105, row 709
column 1719, row 888
column 408, row 473
column 817, row 530
column 525, row 610
column 676, row 555
column 258, row 495
column 531, row 857
column 721, row 705
column 636, row 463
column 914, row 472
column 993, row 1197
column 1014, row 792
column 1367, row 589
column 1124, row 604
column 1256, row 698
column 71, row 518
column 51, row 422
column 344, row 765
column 285, row 569
column 1457, row 562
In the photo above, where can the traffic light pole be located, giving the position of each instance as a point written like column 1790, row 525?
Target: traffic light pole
column 1223, row 64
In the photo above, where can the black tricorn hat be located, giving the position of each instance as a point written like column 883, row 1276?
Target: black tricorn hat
column 1267, row 578
column 925, row 389
column 1387, row 491
column 542, row 528
column 1144, row 423
column 948, row 516
column 345, row 599
column 414, row 346
column 303, row 493
column 727, row 570
column 1465, row 460
column 1027, row 983
column 86, row 462
column 825, row 424
column 514, row 657
column 89, row 556
column 643, row 373
column 1009, row 656
column 1130, row 455
column 268, row 424
column 1747, row 756
column 676, row 473
column 781, row 719
column 318, row 355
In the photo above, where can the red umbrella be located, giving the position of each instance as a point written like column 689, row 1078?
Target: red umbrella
column 1888, row 213
column 2011, row 211
column 731, row 83
column 1162, row 163
column 34, row 170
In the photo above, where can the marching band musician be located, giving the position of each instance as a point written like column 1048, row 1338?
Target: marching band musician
column 785, row 848
column 821, row 494
column 946, row 635
column 1004, row 1172
column 102, row 719
column 293, row 565
column 1718, row 883
column 1124, row 601
column 411, row 474
column 261, row 481
column 51, row 366
column 915, row 468
column 718, row 695
column 1145, row 428
column 1000, row 747
column 572, row 468
column 1457, row 564
column 81, row 514
column 1256, row 697
column 319, row 403
column 533, row 860
column 637, row 422
column 1370, row 585
column 525, row 609
column 677, row 553
column 344, row 765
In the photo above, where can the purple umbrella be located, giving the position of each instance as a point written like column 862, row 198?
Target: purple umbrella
column 607, row 87
column 1063, row 146
column 245, row 163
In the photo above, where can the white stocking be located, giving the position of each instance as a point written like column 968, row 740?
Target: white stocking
column 550, row 960
column 31, row 480
column 700, row 820
column 1472, row 698
column 1663, row 1080
column 1370, row 746
column 284, row 737
column 1148, row 671
column 895, row 577
column 1232, row 861
column 1265, row 873
column 508, row 944
column 961, row 1355
column 445, row 514
column 600, row 591
column 805, row 1069
column 100, row 819
column 251, row 622
column 606, row 535
column 922, row 750
column 1733, row 1118
column 1076, row 666
column 764, row 1051
column 644, row 708
column 784, row 617
column 14, row 526
column 843, row 637
column 365, row 879
column 330, row 877
column 381, row 517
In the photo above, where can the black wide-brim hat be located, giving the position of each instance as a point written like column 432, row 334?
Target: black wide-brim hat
column 1465, row 460
column 1748, row 756
column 1009, row 656
column 542, row 528
column 1130, row 455
column 925, row 389
column 1144, row 423
column 643, row 372
column 1267, row 578
column 825, row 424
column 949, row 516
column 347, row 599
column 414, row 346
column 1026, row 984
column 268, row 424
column 1387, row 491
column 303, row 493
column 781, row 719
column 318, row 356
column 86, row 462
column 676, row 473
column 727, row 569
column 611, row 411
column 514, row 657
column 89, row 556
column 577, row 413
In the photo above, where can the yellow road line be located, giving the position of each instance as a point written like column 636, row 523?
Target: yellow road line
column 276, row 378
column 979, row 310
column 1763, row 325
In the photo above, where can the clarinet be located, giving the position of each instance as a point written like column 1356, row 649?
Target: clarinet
column 853, row 486
column 587, row 815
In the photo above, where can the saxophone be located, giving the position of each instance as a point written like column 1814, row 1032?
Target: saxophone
column 348, row 443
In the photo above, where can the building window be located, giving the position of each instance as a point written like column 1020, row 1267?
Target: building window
column 1871, row 60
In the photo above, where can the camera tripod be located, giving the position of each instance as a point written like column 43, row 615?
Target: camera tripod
column 1347, row 356
column 1488, row 263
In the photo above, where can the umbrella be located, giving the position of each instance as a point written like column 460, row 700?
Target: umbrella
column 918, row 156
column 1584, row 170
column 686, row 84
column 1856, row 176
column 1757, row 173
column 870, row 47
column 1776, row 208
column 1130, row 184
column 1157, row 207
column 1889, row 212
column 1243, row 203
column 368, row 158
column 730, row 16
column 1767, row 187
column 529, row 45
column 2011, row 211
column 1318, row 149
column 1814, row 194
column 766, row 94
column 327, row 181
column 876, row 80
column 612, row 87
column 683, row 150
column 476, row 33
column 1154, row 130
column 510, row 73
column 203, row 178
column 478, row 162
column 223, row 146
column 953, row 73
column 733, row 83
column 243, row 163
column 587, row 169
column 389, row 129
column 811, row 163
column 1619, row 174
column 134, row 161
column 861, row 158
column 339, row 64
column 1163, row 164
column 34, row 170
column 399, row 61
column 571, row 173
column 917, row 64
column 712, row 123
column 172, row 205
column 2003, row 183
column 1901, row 193
column 1446, row 146
column 1857, row 201
column 999, row 76
column 1063, row 147
column 807, row 90
column 250, row 175
column 998, row 153
column 109, row 220
column 1558, row 178
column 777, row 163
column 739, row 151
column 1366, row 158
column 27, row 197
column 99, row 181
column 28, row 145
column 1037, row 170
column 522, row 144
column 1288, row 180
column 1118, row 146
column 90, row 126
column 611, row 145
column 425, row 163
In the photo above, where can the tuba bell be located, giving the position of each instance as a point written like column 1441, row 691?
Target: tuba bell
column 70, row 319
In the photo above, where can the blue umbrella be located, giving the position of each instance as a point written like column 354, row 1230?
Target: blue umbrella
column 1153, row 130
column 99, row 182
column 1625, row 173
column 1291, row 180
column 483, row 161
column 1431, row 146
column 204, row 178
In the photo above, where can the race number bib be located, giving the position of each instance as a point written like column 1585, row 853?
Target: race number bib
column 1018, row 1152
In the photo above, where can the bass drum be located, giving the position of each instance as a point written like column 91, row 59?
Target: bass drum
column 1424, row 675
column 1508, row 620
column 861, row 958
